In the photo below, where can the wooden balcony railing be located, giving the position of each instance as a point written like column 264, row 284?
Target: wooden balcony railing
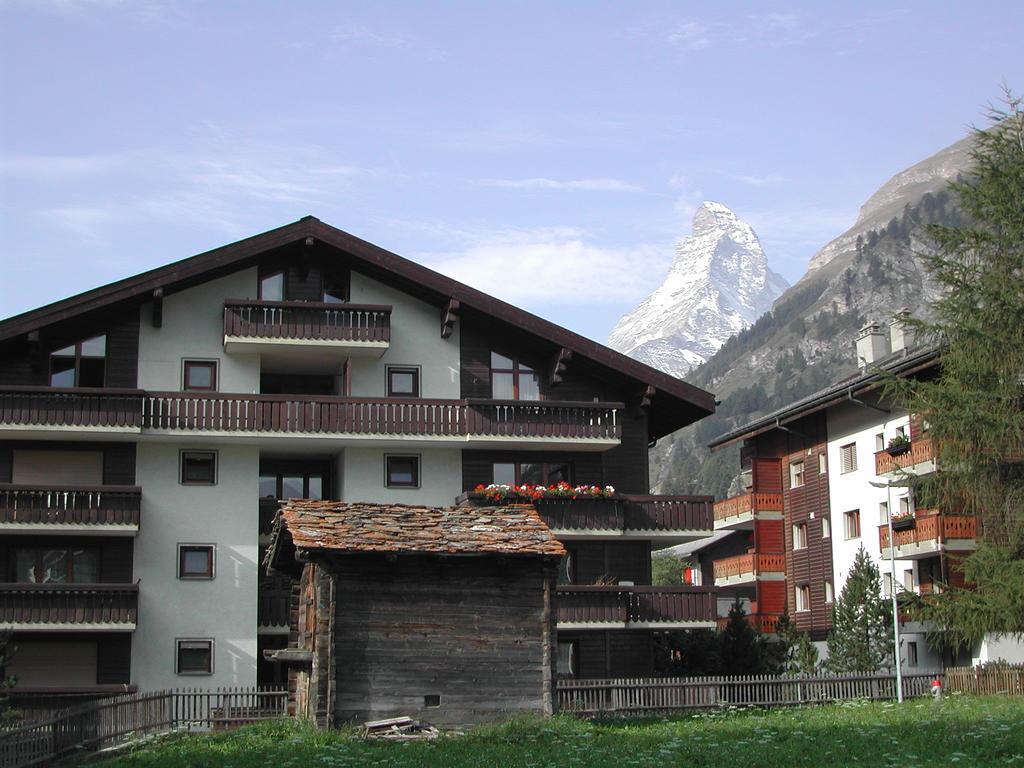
column 272, row 608
column 768, row 623
column 622, row 605
column 50, row 406
column 669, row 513
column 920, row 451
column 188, row 411
column 931, row 526
column 307, row 321
column 70, row 505
column 748, row 503
column 749, row 564
column 49, row 604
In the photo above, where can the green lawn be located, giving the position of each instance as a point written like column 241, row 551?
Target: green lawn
column 960, row 731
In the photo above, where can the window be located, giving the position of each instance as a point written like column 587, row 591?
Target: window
column 883, row 513
column 272, row 287
column 887, row 585
column 822, row 464
column 199, row 376
column 879, row 442
column 901, row 431
column 335, row 291
column 402, row 471
column 851, row 521
column 826, row 527
column 800, row 536
column 198, row 468
column 567, row 569
column 81, row 365
column 912, row 654
column 511, row 380
column 796, row 474
column 904, row 506
column 848, row 458
column 830, row 593
column 803, row 597
column 194, row 657
column 532, row 473
column 291, row 485
column 403, row 381
column 566, row 662
column 908, row 579
column 195, row 561
column 56, row 565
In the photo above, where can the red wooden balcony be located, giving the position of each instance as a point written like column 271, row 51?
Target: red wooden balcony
column 750, row 567
column 626, row 607
column 69, row 606
column 932, row 533
column 101, row 410
column 920, row 452
column 60, row 508
column 740, row 511
column 766, row 623
column 262, row 326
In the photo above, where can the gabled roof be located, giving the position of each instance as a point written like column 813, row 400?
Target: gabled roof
column 691, row 403
column 309, row 527
column 904, row 363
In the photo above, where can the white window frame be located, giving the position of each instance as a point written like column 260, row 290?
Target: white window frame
column 826, row 527
column 799, row 535
column 822, row 464
column 883, row 513
column 830, row 593
column 847, row 458
column 796, row 474
column 802, row 598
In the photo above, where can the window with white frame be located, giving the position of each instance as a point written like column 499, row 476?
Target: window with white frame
column 830, row 593
column 851, row 522
column 822, row 464
column 880, row 442
column 826, row 527
column 904, row 506
column 803, row 597
column 796, row 474
column 887, row 585
column 800, row 536
column 908, row 579
column 883, row 512
column 848, row 458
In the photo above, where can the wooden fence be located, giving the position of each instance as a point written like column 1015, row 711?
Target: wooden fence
column 109, row 722
column 988, row 680
column 633, row 695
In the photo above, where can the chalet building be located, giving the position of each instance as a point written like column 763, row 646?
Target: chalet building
column 149, row 427
column 819, row 479
column 445, row 614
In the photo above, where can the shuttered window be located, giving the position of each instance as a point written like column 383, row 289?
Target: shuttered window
column 848, row 458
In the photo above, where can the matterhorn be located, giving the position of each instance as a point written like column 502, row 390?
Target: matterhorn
column 719, row 284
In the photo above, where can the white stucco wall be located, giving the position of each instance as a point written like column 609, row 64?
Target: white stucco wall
column 223, row 608
column 1008, row 648
column 193, row 327
column 415, row 340
column 440, row 476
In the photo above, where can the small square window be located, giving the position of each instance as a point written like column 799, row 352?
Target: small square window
column 796, row 474
column 403, row 381
column 198, row 468
column 848, row 458
column 200, row 376
column 852, row 522
column 402, row 471
column 195, row 561
column 194, row 657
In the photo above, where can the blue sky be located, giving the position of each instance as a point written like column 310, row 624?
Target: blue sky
column 549, row 153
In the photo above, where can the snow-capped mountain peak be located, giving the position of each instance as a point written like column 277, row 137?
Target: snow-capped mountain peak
column 718, row 284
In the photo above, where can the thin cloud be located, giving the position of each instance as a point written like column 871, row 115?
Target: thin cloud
column 583, row 185
column 361, row 35
column 757, row 181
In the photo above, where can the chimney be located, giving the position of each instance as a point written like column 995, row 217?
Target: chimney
column 899, row 336
column 871, row 345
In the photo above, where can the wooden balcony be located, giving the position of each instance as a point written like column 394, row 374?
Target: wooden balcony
column 739, row 512
column 63, row 509
column 634, row 607
column 69, row 607
column 92, row 410
column 748, row 568
column 932, row 533
column 766, row 623
column 272, row 326
column 667, row 519
column 272, row 608
column 474, row 423
column 920, row 457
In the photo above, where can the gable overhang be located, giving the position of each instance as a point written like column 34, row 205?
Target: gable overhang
column 671, row 403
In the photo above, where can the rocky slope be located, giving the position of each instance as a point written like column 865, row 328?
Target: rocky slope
column 718, row 284
column 806, row 341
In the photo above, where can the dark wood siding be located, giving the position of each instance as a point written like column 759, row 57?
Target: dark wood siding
column 621, row 653
column 118, row 458
column 612, row 561
column 25, row 364
column 114, row 659
column 470, row 630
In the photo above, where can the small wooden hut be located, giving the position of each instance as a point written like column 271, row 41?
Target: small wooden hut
column 442, row 614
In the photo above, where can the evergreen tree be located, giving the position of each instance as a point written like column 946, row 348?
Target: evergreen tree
column 799, row 656
column 974, row 408
column 741, row 649
column 861, row 636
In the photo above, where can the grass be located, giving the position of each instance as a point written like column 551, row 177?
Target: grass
column 959, row 731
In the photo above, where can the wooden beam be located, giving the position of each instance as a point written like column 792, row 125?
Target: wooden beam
column 559, row 366
column 646, row 396
column 448, row 317
column 158, row 308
